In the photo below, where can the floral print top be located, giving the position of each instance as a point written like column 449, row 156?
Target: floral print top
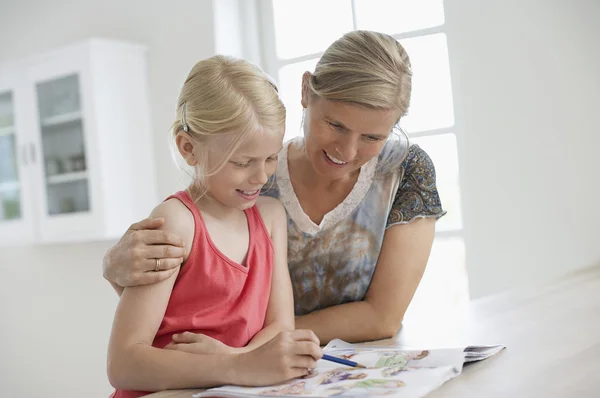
column 333, row 263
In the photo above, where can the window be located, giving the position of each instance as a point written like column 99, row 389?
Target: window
column 295, row 34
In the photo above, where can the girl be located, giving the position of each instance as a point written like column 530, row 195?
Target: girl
column 233, row 288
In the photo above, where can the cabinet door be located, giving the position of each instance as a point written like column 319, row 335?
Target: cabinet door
column 66, row 172
column 16, row 224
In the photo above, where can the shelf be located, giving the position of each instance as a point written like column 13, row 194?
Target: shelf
column 61, row 119
column 9, row 186
column 67, row 177
column 7, row 130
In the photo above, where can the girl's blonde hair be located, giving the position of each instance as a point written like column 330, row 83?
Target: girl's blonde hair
column 369, row 69
column 223, row 95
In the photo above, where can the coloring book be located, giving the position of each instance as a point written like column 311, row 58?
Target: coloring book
column 391, row 371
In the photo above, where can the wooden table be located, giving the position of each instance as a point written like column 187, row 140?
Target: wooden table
column 552, row 335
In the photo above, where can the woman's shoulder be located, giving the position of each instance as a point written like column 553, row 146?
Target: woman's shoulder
column 405, row 159
column 417, row 195
column 417, row 161
column 271, row 188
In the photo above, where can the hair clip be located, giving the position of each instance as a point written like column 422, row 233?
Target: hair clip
column 183, row 122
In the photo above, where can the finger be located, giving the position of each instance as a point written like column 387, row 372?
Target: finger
column 185, row 348
column 147, row 223
column 151, row 277
column 163, row 251
column 166, row 264
column 299, row 372
column 186, row 337
column 175, row 347
column 309, row 349
column 303, row 361
column 305, row 335
column 161, row 237
column 170, row 346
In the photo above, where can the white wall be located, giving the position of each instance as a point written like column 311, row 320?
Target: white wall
column 527, row 93
column 55, row 309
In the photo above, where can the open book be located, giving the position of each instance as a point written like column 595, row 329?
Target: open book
column 391, row 371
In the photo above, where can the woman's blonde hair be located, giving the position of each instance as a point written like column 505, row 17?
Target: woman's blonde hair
column 223, row 95
column 369, row 69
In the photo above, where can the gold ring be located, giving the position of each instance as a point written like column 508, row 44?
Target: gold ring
column 157, row 268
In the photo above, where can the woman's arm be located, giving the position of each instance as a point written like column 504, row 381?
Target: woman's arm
column 399, row 269
column 280, row 310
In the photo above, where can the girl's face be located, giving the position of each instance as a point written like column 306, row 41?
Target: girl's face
column 237, row 184
column 340, row 137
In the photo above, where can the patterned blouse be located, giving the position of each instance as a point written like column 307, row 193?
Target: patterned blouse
column 333, row 263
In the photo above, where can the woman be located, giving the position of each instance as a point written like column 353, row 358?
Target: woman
column 361, row 205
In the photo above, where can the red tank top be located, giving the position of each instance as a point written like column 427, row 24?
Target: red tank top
column 214, row 295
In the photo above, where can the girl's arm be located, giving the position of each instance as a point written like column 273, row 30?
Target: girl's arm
column 133, row 364
column 399, row 269
column 280, row 311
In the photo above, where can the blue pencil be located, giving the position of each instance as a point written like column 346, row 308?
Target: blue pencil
column 343, row 361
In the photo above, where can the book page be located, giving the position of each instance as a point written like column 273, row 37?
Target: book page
column 390, row 371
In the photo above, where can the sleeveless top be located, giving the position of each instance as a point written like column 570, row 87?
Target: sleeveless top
column 214, row 295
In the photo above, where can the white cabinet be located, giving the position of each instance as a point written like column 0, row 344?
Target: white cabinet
column 76, row 156
column 16, row 213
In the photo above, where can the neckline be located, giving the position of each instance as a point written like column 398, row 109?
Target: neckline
column 341, row 211
column 235, row 264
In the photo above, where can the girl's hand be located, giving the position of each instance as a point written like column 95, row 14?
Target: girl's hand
column 134, row 259
column 198, row 344
column 288, row 355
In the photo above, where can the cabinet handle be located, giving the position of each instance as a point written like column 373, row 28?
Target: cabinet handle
column 24, row 155
column 32, row 152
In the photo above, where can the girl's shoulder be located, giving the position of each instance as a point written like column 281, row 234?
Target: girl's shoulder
column 271, row 210
column 179, row 220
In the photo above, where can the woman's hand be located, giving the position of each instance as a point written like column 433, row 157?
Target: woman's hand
column 144, row 255
column 199, row 344
column 288, row 355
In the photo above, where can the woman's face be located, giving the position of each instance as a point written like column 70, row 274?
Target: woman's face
column 341, row 137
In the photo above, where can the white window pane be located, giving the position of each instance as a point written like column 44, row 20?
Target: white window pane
column 309, row 26
column 444, row 288
column 399, row 16
column 442, row 151
column 431, row 101
column 290, row 88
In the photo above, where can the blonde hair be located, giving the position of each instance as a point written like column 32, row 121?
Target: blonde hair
column 369, row 69
column 226, row 96
column 366, row 68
